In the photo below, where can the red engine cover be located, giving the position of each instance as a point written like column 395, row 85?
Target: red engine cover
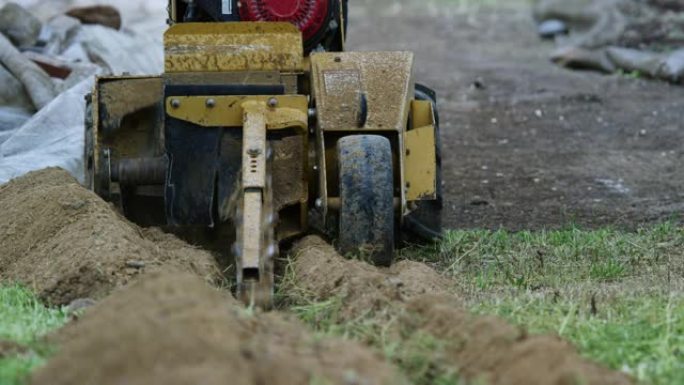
column 309, row 16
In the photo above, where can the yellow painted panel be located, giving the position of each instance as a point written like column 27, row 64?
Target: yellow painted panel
column 421, row 164
column 341, row 79
column 227, row 111
column 244, row 46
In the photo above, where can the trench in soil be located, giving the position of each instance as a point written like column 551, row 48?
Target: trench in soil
column 162, row 316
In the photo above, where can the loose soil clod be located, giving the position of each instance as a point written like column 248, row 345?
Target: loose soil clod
column 172, row 328
column 66, row 243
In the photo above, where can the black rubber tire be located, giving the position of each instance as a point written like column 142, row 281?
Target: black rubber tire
column 425, row 223
column 366, row 184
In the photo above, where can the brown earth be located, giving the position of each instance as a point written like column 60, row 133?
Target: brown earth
column 173, row 329
column 529, row 145
column 479, row 348
column 66, row 243
column 11, row 349
column 319, row 272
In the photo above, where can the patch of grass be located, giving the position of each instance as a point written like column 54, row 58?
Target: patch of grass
column 641, row 336
column 15, row 370
column 23, row 319
column 415, row 354
column 483, row 260
column 617, row 296
column 630, row 74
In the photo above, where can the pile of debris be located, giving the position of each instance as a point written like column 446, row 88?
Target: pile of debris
column 633, row 36
column 46, row 69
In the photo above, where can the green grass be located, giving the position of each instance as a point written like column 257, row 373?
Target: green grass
column 641, row 336
column 23, row 319
column 483, row 260
column 617, row 296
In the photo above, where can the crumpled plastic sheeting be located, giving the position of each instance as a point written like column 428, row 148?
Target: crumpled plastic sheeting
column 10, row 118
column 54, row 137
column 120, row 53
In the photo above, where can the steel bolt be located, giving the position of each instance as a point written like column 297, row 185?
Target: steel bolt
column 273, row 102
column 211, row 103
column 319, row 203
column 175, row 103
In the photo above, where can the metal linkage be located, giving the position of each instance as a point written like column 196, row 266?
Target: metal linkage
column 255, row 248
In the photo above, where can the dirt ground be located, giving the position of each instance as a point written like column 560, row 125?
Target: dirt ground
column 65, row 243
column 413, row 299
column 172, row 328
column 529, row 145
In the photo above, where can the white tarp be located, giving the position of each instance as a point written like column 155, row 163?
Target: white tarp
column 54, row 136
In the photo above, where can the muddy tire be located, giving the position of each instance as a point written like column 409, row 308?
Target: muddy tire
column 425, row 223
column 366, row 182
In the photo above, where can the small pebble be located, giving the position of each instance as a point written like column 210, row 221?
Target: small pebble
column 135, row 264
column 552, row 28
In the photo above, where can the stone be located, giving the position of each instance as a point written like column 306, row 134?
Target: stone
column 549, row 29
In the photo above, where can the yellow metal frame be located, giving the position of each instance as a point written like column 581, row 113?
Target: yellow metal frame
column 283, row 111
column 341, row 79
column 420, row 167
column 244, row 46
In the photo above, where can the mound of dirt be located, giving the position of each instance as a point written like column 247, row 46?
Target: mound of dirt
column 66, row 243
column 321, row 273
column 479, row 348
column 489, row 350
column 172, row 328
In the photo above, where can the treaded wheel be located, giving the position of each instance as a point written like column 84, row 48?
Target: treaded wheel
column 366, row 184
column 426, row 221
